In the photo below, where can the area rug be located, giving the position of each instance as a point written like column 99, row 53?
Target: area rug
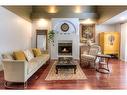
column 66, row 74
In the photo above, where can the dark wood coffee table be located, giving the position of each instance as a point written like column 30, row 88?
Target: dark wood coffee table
column 65, row 63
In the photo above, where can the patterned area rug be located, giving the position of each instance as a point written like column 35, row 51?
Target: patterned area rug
column 66, row 74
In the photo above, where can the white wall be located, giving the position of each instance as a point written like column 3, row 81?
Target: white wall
column 123, row 47
column 103, row 28
column 39, row 24
column 122, row 28
column 15, row 32
column 117, row 27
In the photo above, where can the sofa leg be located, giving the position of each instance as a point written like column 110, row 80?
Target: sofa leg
column 11, row 87
column 25, row 85
column 7, row 86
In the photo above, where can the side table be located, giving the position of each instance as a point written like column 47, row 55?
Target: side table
column 103, row 60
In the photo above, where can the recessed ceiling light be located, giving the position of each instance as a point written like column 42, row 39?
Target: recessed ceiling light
column 77, row 9
column 42, row 23
column 88, row 21
column 52, row 9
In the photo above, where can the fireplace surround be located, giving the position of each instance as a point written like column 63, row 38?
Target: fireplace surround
column 66, row 39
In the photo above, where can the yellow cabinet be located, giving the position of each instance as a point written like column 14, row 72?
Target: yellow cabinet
column 110, row 42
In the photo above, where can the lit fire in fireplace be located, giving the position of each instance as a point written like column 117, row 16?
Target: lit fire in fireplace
column 65, row 50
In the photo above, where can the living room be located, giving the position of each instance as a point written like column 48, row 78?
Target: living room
column 45, row 35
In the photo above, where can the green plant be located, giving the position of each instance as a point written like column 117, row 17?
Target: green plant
column 51, row 35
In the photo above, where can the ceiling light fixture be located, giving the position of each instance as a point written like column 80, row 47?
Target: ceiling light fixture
column 88, row 21
column 52, row 9
column 43, row 23
column 78, row 9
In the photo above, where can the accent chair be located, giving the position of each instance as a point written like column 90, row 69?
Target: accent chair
column 88, row 58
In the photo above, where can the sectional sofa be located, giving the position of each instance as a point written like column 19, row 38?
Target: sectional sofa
column 22, row 70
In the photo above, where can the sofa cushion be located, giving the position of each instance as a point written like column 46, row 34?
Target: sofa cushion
column 7, row 56
column 37, row 52
column 37, row 62
column 43, row 58
column 19, row 55
column 32, row 64
column 29, row 55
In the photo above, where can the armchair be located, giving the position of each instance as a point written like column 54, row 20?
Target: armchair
column 88, row 58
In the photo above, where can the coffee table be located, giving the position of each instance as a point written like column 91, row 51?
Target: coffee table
column 65, row 63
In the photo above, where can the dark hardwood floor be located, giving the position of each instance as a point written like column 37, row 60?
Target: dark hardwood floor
column 117, row 79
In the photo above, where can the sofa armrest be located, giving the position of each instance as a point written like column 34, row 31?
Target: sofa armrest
column 15, row 70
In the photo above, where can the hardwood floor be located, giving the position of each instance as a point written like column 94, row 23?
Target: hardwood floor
column 117, row 79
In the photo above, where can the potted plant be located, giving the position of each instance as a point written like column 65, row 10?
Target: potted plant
column 51, row 34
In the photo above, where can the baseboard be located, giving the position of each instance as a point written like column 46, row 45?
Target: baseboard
column 1, row 68
column 123, row 60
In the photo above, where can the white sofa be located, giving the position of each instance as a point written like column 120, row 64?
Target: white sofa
column 20, row 70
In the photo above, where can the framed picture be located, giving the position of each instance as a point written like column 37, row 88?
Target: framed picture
column 88, row 32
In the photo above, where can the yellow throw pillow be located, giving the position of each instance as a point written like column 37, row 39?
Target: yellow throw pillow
column 19, row 55
column 37, row 52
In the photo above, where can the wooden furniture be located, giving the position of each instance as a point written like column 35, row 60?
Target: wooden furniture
column 65, row 63
column 110, row 43
column 103, row 60
column 41, row 39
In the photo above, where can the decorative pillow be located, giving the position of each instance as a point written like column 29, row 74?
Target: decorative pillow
column 19, row 55
column 29, row 55
column 37, row 52
column 7, row 56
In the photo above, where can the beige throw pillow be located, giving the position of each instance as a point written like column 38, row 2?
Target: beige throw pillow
column 29, row 55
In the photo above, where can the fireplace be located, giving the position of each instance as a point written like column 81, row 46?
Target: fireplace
column 66, row 41
column 65, row 49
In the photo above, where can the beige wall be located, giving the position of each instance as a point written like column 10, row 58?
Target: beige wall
column 22, row 11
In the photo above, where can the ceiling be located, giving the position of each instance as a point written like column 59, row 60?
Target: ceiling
column 81, row 12
column 107, row 12
column 120, row 18
column 99, row 13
